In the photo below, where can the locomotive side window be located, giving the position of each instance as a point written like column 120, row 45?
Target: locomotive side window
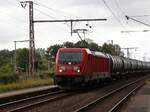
column 70, row 58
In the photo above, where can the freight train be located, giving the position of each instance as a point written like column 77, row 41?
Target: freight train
column 78, row 66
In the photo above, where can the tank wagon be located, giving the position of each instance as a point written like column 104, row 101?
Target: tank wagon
column 77, row 66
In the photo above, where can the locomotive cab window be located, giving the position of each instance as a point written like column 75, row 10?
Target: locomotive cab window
column 70, row 58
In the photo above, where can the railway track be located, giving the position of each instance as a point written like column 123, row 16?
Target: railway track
column 67, row 101
column 124, row 99
column 25, row 93
column 113, row 100
column 21, row 104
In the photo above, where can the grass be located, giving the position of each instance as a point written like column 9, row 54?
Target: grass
column 22, row 84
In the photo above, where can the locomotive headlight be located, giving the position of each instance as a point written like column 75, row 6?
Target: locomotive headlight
column 62, row 68
column 76, row 68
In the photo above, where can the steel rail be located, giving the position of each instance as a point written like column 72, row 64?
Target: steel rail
column 24, row 107
column 30, row 98
column 123, row 100
column 86, row 107
column 22, row 94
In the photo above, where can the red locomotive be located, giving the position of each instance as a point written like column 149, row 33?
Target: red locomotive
column 81, row 66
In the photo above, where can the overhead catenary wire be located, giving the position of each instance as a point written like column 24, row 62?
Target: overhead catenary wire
column 121, row 10
column 113, row 14
column 123, row 13
column 117, row 4
column 137, row 21
column 48, row 15
column 44, row 13
column 138, row 16
column 51, row 9
column 54, row 10
column 141, row 16
column 65, row 15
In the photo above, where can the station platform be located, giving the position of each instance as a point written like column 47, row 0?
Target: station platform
column 140, row 102
column 26, row 91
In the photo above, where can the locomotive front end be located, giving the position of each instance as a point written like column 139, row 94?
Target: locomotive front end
column 69, row 65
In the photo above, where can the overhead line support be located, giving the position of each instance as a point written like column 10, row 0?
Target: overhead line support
column 129, row 48
column 31, row 36
column 31, row 31
column 68, row 20
column 137, row 21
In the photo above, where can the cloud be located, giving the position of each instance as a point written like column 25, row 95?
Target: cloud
column 14, row 22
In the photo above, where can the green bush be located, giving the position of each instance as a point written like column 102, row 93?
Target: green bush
column 7, row 68
column 51, row 74
column 22, row 84
column 8, row 78
column 45, row 74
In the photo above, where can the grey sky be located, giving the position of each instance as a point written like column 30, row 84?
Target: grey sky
column 14, row 23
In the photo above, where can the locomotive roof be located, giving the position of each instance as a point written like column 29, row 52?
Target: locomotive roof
column 100, row 54
column 97, row 54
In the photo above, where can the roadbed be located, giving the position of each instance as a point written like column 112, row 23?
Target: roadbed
column 140, row 101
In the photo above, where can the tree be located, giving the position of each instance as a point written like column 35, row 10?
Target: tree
column 81, row 44
column 23, row 59
column 41, row 59
column 118, row 50
column 7, row 68
column 111, row 49
column 108, row 48
column 5, row 57
column 68, row 44
column 94, row 47
column 52, row 50
column 6, row 61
